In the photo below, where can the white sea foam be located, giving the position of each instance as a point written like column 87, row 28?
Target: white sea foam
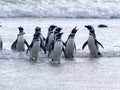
column 60, row 8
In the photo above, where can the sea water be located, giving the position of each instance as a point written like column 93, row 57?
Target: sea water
column 60, row 8
column 82, row 72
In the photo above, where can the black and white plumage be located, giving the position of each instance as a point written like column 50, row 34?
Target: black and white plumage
column 42, row 39
column 34, row 47
column 50, row 37
column 92, row 42
column 70, row 46
column 19, row 43
column 57, row 49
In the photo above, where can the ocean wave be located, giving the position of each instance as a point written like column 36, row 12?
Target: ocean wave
column 60, row 8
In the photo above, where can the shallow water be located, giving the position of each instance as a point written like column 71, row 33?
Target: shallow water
column 17, row 72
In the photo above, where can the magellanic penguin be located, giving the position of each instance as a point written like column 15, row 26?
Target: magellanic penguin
column 50, row 37
column 1, row 43
column 42, row 39
column 56, row 31
column 57, row 49
column 92, row 42
column 34, row 47
column 19, row 43
column 70, row 46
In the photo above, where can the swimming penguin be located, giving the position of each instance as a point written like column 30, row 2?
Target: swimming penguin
column 70, row 46
column 19, row 43
column 50, row 37
column 57, row 49
column 1, row 43
column 34, row 47
column 92, row 42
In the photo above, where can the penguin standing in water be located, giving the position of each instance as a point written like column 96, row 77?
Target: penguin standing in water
column 57, row 49
column 50, row 37
column 92, row 42
column 1, row 43
column 34, row 47
column 56, row 31
column 19, row 43
column 70, row 46
column 42, row 39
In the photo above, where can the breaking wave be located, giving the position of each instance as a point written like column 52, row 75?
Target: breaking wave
column 60, row 8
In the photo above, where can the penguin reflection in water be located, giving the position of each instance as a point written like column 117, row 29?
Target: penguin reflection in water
column 19, row 43
column 92, row 42
column 57, row 49
column 70, row 46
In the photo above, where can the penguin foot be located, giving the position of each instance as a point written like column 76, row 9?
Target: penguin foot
column 99, row 53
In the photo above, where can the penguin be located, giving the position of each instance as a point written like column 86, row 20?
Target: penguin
column 1, row 43
column 50, row 37
column 56, row 31
column 42, row 39
column 34, row 47
column 57, row 49
column 70, row 46
column 92, row 42
column 19, row 43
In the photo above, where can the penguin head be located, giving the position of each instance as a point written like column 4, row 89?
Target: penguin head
column 52, row 27
column 36, row 35
column 74, row 30
column 57, row 30
column 37, row 30
column 58, row 36
column 90, row 28
column 21, row 30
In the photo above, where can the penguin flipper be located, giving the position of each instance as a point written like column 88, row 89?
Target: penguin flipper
column 1, row 44
column 46, row 42
column 13, row 46
column 52, row 47
column 84, row 44
column 26, row 43
column 44, row 49
column 63, row 49
column 75, row 47
column 99, row 43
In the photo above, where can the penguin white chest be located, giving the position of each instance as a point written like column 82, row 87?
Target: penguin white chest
column 57, row 51
column 70, row 47
column 20, row 43
column 35, row 50
column 92, row 46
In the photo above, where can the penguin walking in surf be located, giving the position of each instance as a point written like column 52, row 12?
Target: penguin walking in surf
column 70, row 46
column 42, row 39
column 50, row 37
column 57, row 49
column 1, row 43
column 92, row 42
column 56, row 31
column 34, row 47
column 19, row 43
